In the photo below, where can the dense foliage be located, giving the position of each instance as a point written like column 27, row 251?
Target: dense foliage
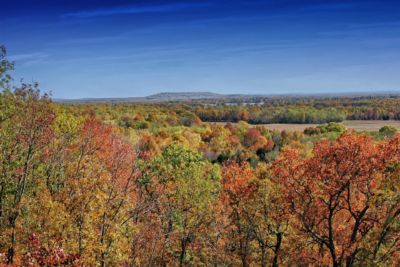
column 151, row 185
column 262, row 110
column 290, row 109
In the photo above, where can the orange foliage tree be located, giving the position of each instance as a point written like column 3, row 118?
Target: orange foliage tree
column 237, row 189
column 339, row 197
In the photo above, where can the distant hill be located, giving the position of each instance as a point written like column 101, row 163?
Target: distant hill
column 173, row 96
column 189, row 96
column 160, row 97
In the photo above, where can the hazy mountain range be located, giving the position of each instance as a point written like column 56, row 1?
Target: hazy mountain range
column 188, row 96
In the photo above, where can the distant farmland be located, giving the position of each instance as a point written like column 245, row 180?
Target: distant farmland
column 358, row 125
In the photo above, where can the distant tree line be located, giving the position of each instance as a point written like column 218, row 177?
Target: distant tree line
column 300, row 110
column 260, row 115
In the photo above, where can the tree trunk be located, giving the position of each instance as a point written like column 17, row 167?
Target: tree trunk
column 277, row 249
column 244, row 251
column 11, row 249
column 263, row 256
column 183, row 251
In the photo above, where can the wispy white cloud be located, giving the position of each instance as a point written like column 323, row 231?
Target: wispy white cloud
column 29, row 58
column 369, row 31
column 136, row 9
column 88, row 40
column 329, row 6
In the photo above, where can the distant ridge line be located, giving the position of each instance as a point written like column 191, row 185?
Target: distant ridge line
column 188, row 96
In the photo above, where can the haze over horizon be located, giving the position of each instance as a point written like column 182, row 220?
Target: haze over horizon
column 124, row 48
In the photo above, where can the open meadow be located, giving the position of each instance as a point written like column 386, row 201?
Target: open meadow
column 357, row 125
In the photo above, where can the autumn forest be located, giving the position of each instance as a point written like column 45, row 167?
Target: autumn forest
column 197, row 183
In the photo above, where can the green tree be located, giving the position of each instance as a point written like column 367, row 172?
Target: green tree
column 25, row 131
column 5, row 67
column 181, row 188
column 387, row 131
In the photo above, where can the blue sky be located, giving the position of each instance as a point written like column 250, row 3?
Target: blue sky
column 127, row 48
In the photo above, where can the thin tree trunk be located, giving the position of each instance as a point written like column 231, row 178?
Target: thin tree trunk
column 11, row 249
column 183, row 252
column 275, row 262
column 263, row 256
